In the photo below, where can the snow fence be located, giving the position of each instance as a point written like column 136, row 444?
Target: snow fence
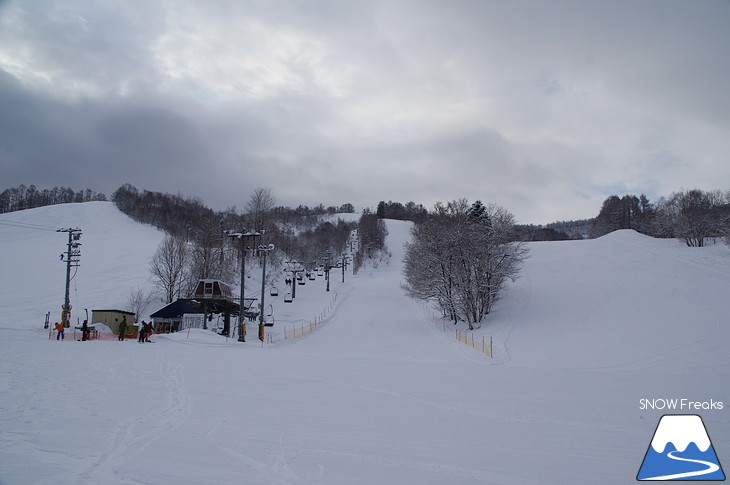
column 480, row 345
column 307, row 328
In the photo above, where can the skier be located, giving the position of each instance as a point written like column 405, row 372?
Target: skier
column 123, row 328
column 59, row 329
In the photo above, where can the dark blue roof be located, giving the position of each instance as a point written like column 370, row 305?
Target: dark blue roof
column 178, row 308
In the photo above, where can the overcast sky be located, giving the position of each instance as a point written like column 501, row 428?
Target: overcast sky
column 543, row 107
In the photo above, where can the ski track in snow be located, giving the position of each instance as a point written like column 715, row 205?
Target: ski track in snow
column 133, row 435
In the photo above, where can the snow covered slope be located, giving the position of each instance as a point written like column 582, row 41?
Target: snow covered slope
column 381, row 393
column 621, row 300
column 115, row 256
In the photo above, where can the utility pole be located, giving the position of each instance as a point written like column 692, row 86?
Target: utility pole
column 241, row 236
column 327, row 266
column 345, row 259
column 71, row 256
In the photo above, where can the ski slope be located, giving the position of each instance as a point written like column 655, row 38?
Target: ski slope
column 381, row 392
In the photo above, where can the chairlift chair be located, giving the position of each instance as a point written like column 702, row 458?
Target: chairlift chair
column 288, row 298
column 269, row 317
column 274, row 291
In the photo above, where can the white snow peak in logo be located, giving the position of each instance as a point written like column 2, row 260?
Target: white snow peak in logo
column 680, row 450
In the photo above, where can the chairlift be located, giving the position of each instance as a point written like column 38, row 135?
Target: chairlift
column 274, row 291
column 248, row 309
column 301, row 281
column 269, row 317
column 311, row 276
column 288, row 298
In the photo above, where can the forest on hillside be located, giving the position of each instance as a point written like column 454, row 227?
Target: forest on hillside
column 693, row 216
column 29, row 197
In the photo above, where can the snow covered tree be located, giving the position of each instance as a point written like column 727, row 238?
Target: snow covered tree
column 461, row 257
column 693, row 216
column 701, row 216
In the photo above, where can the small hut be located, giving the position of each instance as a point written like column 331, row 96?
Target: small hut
column 112, row 319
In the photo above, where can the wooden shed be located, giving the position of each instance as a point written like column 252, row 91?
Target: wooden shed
column 112, row 319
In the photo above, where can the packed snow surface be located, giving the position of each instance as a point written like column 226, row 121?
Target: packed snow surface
column 381, row 392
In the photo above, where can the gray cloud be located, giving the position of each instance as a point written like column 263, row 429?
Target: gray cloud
column 543, row 107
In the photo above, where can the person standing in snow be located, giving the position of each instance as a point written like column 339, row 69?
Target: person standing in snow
column 123, row 328
column 85, row 331
column 142, row 332
column 148, row 331
column 59, row 329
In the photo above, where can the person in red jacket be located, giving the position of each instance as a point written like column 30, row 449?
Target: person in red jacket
column 59, row 329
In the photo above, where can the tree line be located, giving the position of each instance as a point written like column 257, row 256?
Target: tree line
column 410, row 211
column 29, row 197
column 693, row 216
column 197, row 245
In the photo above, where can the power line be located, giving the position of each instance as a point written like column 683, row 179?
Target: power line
column 27, row 225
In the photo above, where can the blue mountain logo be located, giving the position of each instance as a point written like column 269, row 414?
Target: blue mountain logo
column 680, row 450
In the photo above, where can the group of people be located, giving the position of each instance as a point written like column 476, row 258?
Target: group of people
column 60, row 331
column 145, row 330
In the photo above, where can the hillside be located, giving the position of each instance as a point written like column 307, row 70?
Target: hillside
column 381, row 392
column 115, row 256
column 627, row 299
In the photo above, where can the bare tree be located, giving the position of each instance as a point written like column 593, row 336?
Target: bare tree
column 138, row 301
column 693, row 216
column 208, row 257
column 259, row 205
column 168, row 266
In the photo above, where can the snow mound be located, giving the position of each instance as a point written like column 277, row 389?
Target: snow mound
column 624, row 235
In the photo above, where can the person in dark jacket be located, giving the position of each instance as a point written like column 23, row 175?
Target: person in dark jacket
column 123, row 328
